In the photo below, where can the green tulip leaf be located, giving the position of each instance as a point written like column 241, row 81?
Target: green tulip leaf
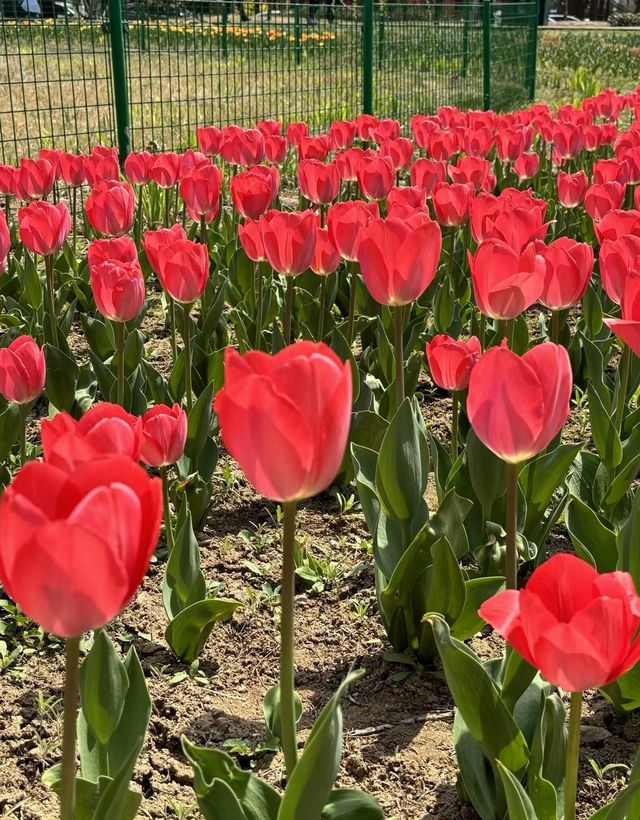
column 519, row 806
column 62, row 377
column 347, row 804
column 187, row 633
column 103, row 687
column 593, row 541
column 477, row 591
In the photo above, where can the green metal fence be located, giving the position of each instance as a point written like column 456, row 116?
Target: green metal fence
column 149, row 72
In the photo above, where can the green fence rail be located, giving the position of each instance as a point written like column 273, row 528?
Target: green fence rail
column 149, row 72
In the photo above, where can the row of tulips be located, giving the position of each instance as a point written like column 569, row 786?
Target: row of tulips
column 303, row 333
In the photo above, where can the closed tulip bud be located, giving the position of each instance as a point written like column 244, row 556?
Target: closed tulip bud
column 254, row 190
column 269, row 128
column 72, row 169
column 285, row 418
column 452, row 360
column 569, row 268
column 341, row 134
column 250, row 236
column 451, row 203
column 119, row 249
column 526, row 165
column 314, row 147
column 618, row 259
column 325, row 258
column 579, row 628
column 296, row 131
column 200, row 190
column 475, row 170
column 44, row 227
column 75, row 547
column 318, row 182
column 399, row 151
column 600, row 199
column 22, row 370
column 506, row 282
column 155, row 241
column 118, row 289
column 345, row 221
column 275, row 149
column 399, row 258
column 375, row 177
column 183, row 270
column 110, row 207
column 518, row 404
column 101, row 164
column 164, row 435
column 628, row 327
column 164, row 169
column 104, row 430
column 137, row 167
column 289, row 240
column 572, row 188
column 34, row 179
column 426, row 174
column 209, row 140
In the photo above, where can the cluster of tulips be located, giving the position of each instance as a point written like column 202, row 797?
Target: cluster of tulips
column 312, row 279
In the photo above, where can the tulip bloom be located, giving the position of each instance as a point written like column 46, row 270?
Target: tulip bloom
column 342, row 134
column 427, row 174
column 325, row 258
column 618, row 259
column 600, row 199
column 618, row 223
column 110, row 207
column 22, row 370
column 44, row 227
column 476, row 170
column 118, row 289
column 314, row 147
column 515, row 218
column 209, row 140
column 452, row 360
column 451, row 203
column 269, row 128
column 579, row 628
column 610, row 170
column 518, row 404
column 572, row 188
column 104, row 430
column 118, row 249
column 569, row 268
column 254, row 190
column 628, row 327
column 164, row 169
column 399, row 151
column 5, row 242
column 164, row 434
column 155, row 241
column 319, row 182
column 242, row 146
column 101, row 164
column 34, row 179
column 137, row 167
column 526, row 165
column 76, row 545
column 183, row 270
column 72, row 169
column 296, row 131
column 347, row 163
column 408, row 199
column 200, row 190
column 505, row 282
column 285, row 418
column 250, row 236
column 345, row 220
column 289, row 240
column 375, row 177
column 275, row 149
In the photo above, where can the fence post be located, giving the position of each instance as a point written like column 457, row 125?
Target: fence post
column 367, row 57
column 465, row 40
column 297, row 32
column 533, row 49
column 486, row 54
column 381, row 11
column 119, row 72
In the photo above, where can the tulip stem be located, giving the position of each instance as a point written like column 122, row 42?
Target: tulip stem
column 51, row 303
column 137, row 225
column 321, row 301
column 288, row 309
column 287, row 598
column 555, row 326
column 74, row 208
column 454, row 425
column 352, row 300
column 68, row 786
column 511, row 563
column 573, row 756
column 167, row 207
column 623, row 384
column 187, row 355
column 203, row 229
column 168, row 528
column 120, row 354
column 24, row 412
column 172, row 322
column 259, row 276
column 398, row 347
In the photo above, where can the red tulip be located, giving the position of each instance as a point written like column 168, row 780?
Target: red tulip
column 75, row 546
column 451, row 203
column 399, row 151
column 426, row 174
column 118, row 289
column 411, row 198
column 275, row 149
column 319, row 182
column 200, row 190
column 364, row 124
column 421, row 128
column 164, row 169
column 155, row 241
column 192, row 159
column 183, row 270
column 43, row 226
column 618, row 259
column 569, row 268
column 269, row 128
column 72, row 169
column 289, row 240
column 518, row 404
column 101, row 164
column 209, row 140
column 137, row 167
column 579, row 628
column 347, row 162
column 600, row 199
column 510, row 143
column 452, row 360
column 8, row 180
column 250, row 236
column 120, row 249
column 52, row 155
column 475, row 170
column 506, row 282
column 104, row 430
column 254, row 190
column 296, row 131
column 568, row 140
column 617, row 223
column 242, row 146
column 345, row 220
column 628, row 327
column 477, row 142
column 5, row 242
column 164, row 434
column 314, row 147
column 572, row 188
column 110, row 207
column 22, row 370
column 285, row 418
column 442, row 145
column 399, row 258
column 325, row 258
column 34, row 179
column 342, row 134
column 515, row 222
column 610, row 170
column 383, row 130
column 526, row 165
column 375, row 177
